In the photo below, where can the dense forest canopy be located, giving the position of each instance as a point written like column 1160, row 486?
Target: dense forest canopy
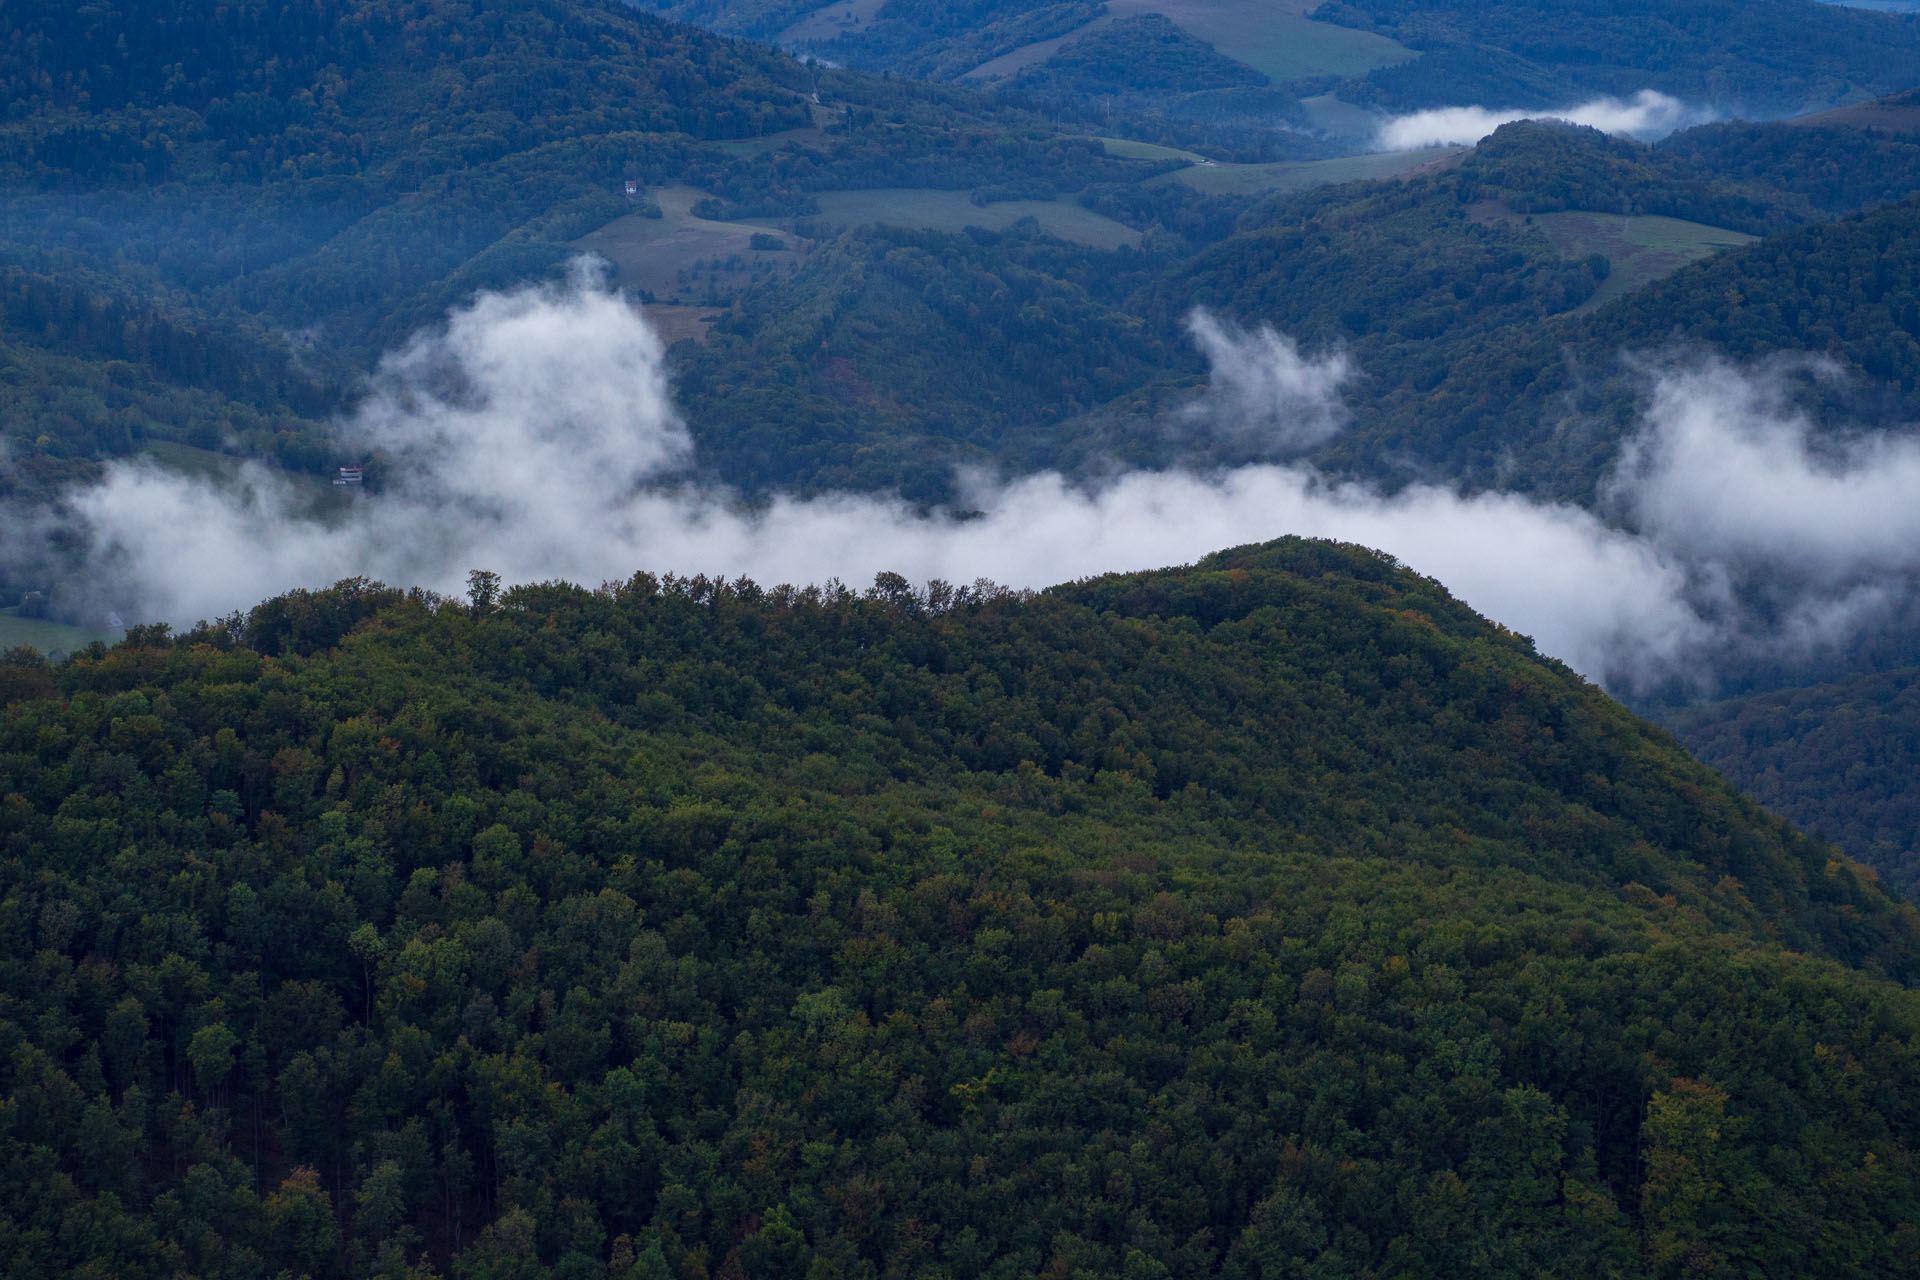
column 1838, row 759
column 1760, row 58
column 1273, row 914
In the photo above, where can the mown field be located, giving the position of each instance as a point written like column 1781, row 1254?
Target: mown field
column 1642, row 249
column 1340, row 119
column 1128, row 149
column 843, row 18
column 681, row 260
column 955, row 211
column 1027, row 55
column 685, row 259
column 1275, row 37
column 1293, row 175
column 47, row 637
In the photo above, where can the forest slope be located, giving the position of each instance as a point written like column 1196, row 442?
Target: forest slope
column 1839, row 759
column 1274, row 913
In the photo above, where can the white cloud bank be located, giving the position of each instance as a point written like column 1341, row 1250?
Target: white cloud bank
column 1647, row 115
column 535, row 436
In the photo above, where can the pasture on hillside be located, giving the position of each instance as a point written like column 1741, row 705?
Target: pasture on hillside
column 954, row 211
column 1274, row 36
column 1276, row 39
column 1642, row 248
column 1296, row 175
column 46, row 636
column 682, row 258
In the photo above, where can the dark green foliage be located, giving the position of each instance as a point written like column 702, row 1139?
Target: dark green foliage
column 896, row 355
column 1764, row 57
column 1557, row 403
column 1176, row 924
column 1836, row 169
column 952, row 56
column 1540, row 166
column 1839, row 759
column 1147, row 55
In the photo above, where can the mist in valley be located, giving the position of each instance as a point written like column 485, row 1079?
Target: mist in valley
column 535, row 435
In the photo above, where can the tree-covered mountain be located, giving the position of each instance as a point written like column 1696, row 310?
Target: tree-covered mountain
column 1558, row 402
column 896, row 356
column 1759, row 60
column 183, row 187
column 1273, row 915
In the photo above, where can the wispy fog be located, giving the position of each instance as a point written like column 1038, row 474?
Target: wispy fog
column 1647, row 115
column 534, row 435
column 1263, row 390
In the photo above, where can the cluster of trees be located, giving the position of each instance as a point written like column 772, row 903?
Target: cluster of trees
column 1276, row 915
column 1147, row 64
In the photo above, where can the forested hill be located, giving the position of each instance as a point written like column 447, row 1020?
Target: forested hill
column 1838, row 759
column 1760, row 58
column 1272, row 915
column 1559, row 401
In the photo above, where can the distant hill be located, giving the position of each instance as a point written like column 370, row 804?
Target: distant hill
column 1759, row 60
column 1270, row 913
column 1762, row 59
column 345, row 172
column 1557, row 403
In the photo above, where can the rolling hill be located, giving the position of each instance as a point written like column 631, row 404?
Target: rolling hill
column 1272, row 913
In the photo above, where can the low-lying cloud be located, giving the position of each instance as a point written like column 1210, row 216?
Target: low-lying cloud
column 1647, row 115
column 1263, row 390
column 534, row 435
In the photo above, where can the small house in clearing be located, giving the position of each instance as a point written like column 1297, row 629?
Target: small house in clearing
column 350, row 475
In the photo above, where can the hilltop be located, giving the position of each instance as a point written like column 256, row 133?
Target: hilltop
column 1275, row 911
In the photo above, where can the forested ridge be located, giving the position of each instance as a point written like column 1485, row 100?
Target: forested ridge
column 897, row 355
column 1274, row 915
column 1561, row 400
column 347, row 171
column 1763, row 58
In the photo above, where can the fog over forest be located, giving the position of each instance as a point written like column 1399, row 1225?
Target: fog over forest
column 535, row 435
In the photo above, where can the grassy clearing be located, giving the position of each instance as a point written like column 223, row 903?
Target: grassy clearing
column 1878, row 114
column 687, row 260
column 47, row 637
column 816, row 138
column 1275, row 37
column 953, row 211
column 675, row 324
column 1272, row 36
column 1642, row 249
column 1340, row 119
column 1128, row 149
column 1027, row 55
column 318, row 497
column 1294, row 175
column 840, row 19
